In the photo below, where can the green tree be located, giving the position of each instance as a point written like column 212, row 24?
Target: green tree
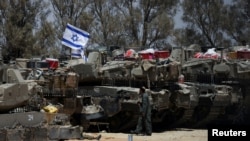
column 147, row 22
column 46, row 40
column 19, row 18
column 71, row 11
column 237, row 21
column 187, row 36
column 106, row 28
column 205, row 19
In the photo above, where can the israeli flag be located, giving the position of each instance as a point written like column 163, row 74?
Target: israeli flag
column 76, row 53
column 74, row 37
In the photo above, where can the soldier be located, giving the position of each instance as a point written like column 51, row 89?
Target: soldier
column 144, row 120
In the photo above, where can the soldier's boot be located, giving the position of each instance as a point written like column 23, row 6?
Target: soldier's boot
column 99, row 137
column 90, row 137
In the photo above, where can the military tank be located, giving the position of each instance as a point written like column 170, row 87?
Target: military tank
column 23, row 108
column 227, row 71
column 114, row 85
column 103, row 93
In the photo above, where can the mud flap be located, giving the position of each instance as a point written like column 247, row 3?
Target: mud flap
column 30, row 119
column 41, row 134
column 3, row 135
column 35, row 134
column 15, row 135
column 64, row 132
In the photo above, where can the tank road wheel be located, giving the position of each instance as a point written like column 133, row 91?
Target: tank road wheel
column 115, row 123
column 200, row 113
column 75, row 119
column 178, row 118
column 85, row 124
column 122, row 121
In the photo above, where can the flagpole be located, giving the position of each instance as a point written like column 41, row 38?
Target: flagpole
column 70, row 54
column 70, row 57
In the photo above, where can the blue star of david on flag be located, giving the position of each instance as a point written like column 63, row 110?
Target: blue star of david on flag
column 74, row 38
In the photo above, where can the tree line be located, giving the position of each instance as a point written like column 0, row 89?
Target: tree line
column 34, row 28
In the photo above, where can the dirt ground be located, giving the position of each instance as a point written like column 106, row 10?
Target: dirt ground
column 171, row 135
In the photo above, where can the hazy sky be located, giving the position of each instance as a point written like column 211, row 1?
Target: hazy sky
column 177, row 19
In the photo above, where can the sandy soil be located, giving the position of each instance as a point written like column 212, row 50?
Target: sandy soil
column 171, row 135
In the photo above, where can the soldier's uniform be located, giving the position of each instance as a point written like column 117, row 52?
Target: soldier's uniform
column 144, row 121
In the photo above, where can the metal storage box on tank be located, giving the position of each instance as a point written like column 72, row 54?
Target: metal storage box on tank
column 146, row 55
column 161, row 54
column 21, row 62
column 53, row 63
column 38, row 64
column 232, row 55
column 243, row 54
